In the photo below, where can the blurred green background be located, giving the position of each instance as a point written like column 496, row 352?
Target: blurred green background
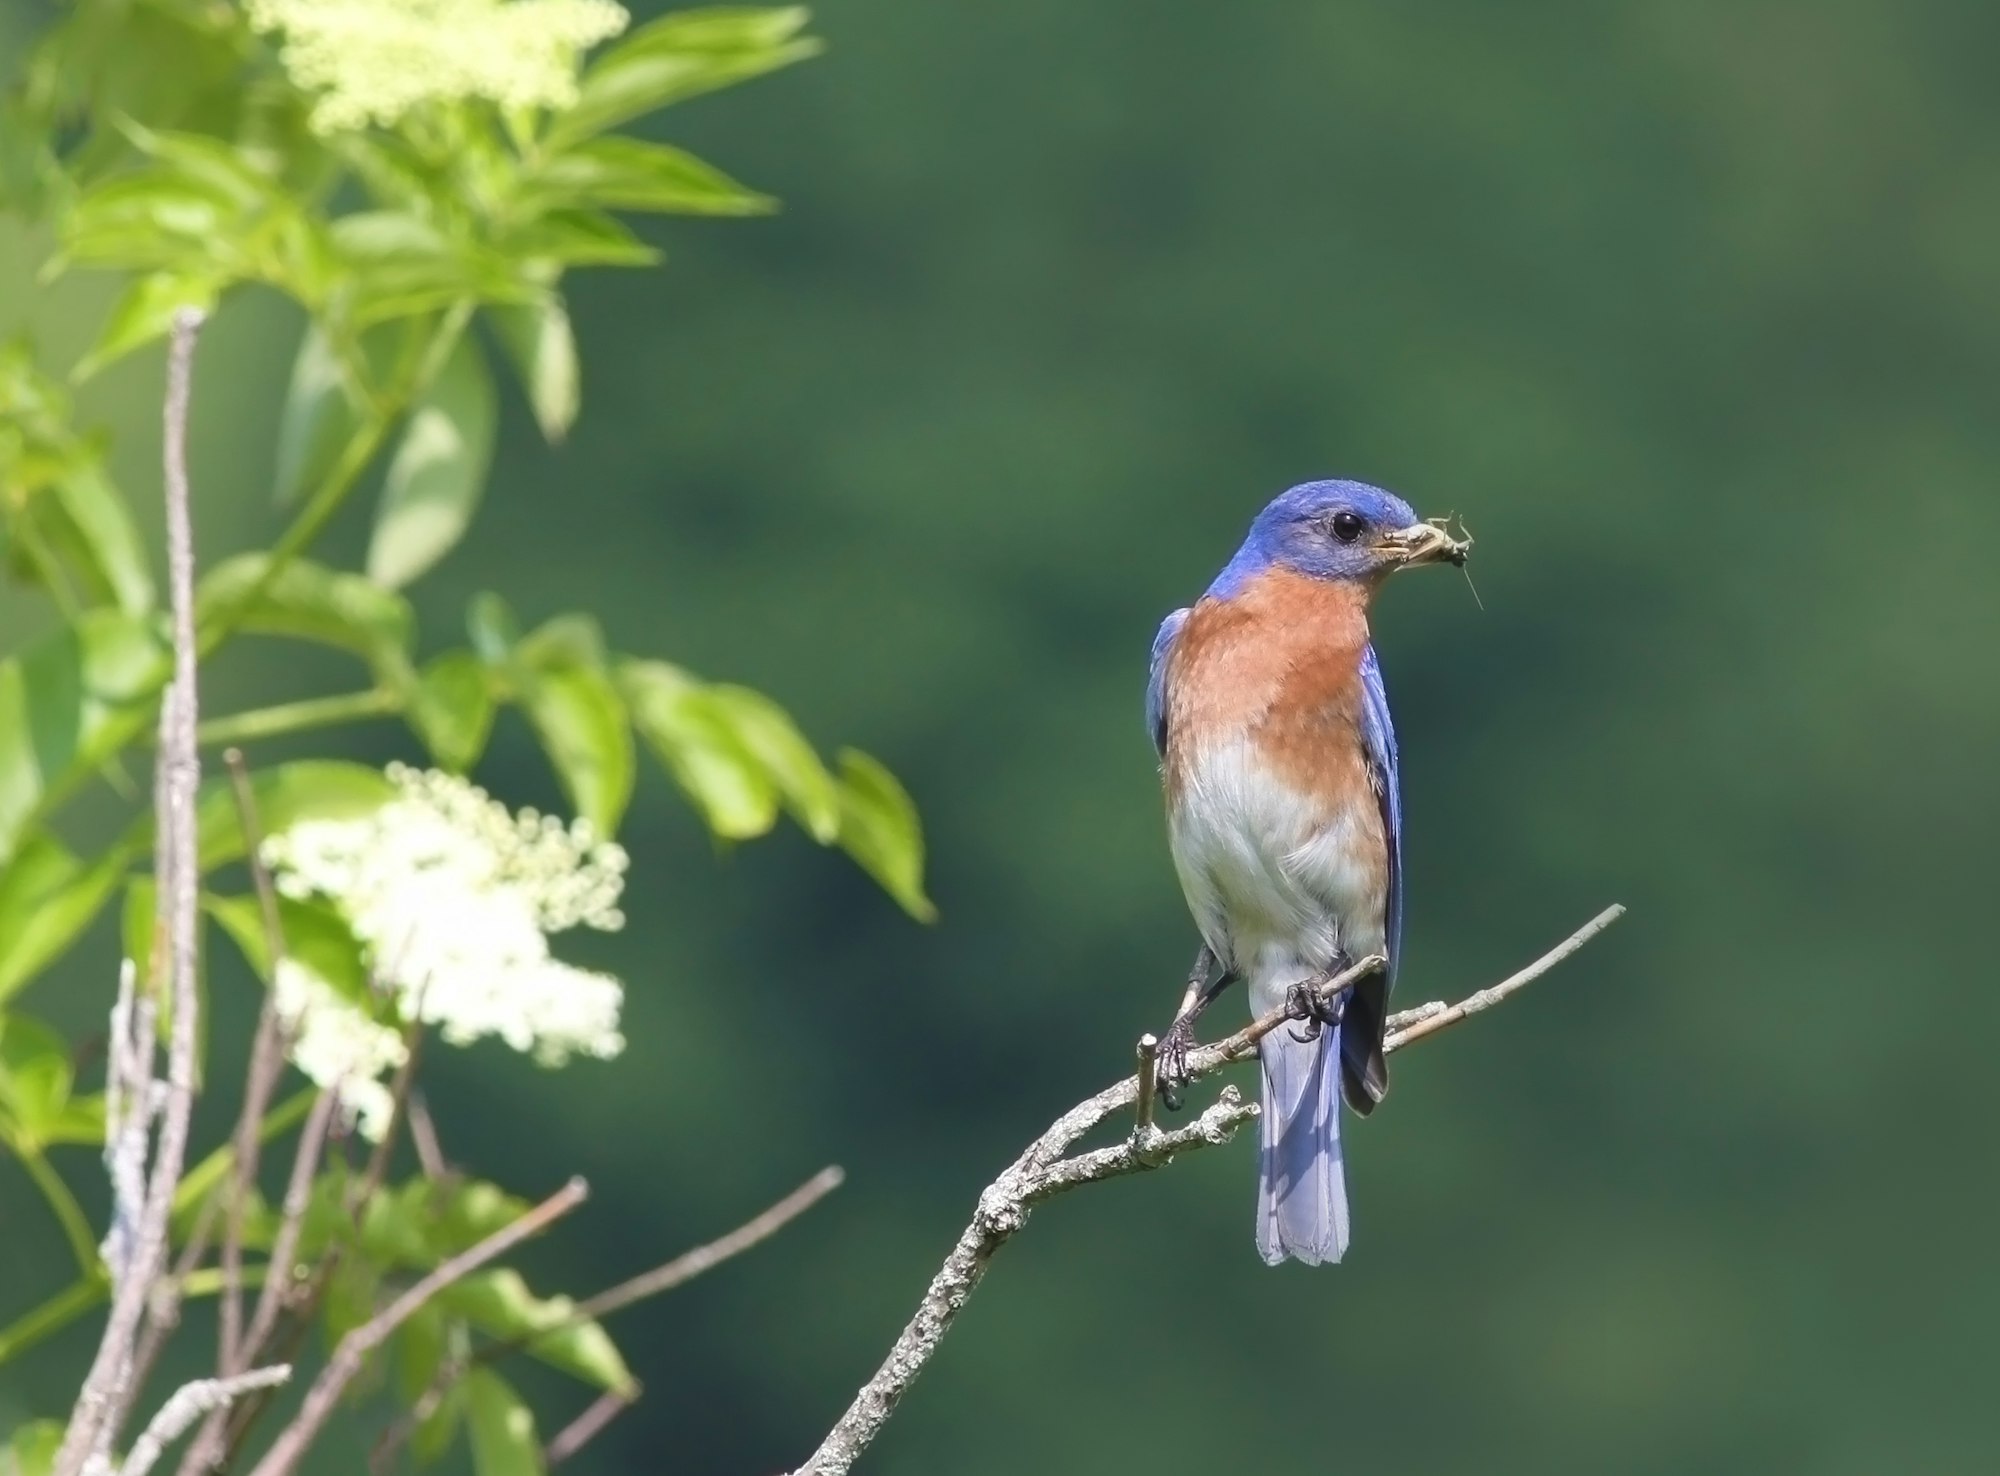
column 1691, row 311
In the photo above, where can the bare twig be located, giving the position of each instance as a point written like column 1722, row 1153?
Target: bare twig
column 424, row 1136
column 586, row 1427
column 130, row 1101
column 690, row 1264
column 1485, row 999
column 1149, row 1080
column 285, row 1243
column 188, row 1404
column 209, row 1445
column 100, row 1404
column 1044, row 1171
column 377, row 1167
column 267, row 1061
column 293, row 1441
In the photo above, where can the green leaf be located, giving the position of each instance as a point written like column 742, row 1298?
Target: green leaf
column 499, row 1303
column 504, row 1442
column 880, row 830
column 396, row 264
column 143, row 313
column 314, row 934
column 154, row 220
column 47, row 898
column 202, row 160
column 491, row 627
column 633, row 174
column 438, row 473
column 563, row 640
column 349, row 1299
column 539, row 341
column 318, row 419
column 581, row 720
column 453, row 709
column 768, row 734
column 31, row 1450
column 580, row 238
column 35, row 1077
column 698, row 746
column 311, row 602
column 421, row 1221
column 96, row 534
column 420, row 1349
column 137, row 923
column 680, row 56
column 68, row 702
column 434, row 1435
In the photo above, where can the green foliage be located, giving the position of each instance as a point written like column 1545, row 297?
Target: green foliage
column 504, row 1442
column 499, row 1304
column 32, row 1449
column 37, row 1105
column 66, row 528
column 68, row 703
column 164, row 141
column 438, row 472
column 48, row 896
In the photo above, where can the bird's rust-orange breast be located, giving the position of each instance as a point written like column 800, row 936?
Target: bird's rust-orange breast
column 1280, row 663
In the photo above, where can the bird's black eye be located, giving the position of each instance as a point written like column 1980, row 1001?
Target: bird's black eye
column 1347, row 526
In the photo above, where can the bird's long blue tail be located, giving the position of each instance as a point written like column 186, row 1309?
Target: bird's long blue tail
column 1302, row 1186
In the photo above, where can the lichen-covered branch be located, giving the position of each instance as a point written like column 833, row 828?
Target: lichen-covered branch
column 1047, row 1169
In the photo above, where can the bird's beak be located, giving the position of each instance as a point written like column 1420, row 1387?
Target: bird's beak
column 1425, row 543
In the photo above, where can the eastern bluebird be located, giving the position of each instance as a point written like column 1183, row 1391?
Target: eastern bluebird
column 1266, row 705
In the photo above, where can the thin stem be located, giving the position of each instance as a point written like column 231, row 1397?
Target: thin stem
column 205, row 1175
column 690, row 1264
column 586, row 1427
column 53, row 1315
column 60, row 1310
column 267, row 1059
column 299, row 717
column 75, row 1224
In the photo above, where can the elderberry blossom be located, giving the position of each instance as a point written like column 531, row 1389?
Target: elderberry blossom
column 453, row 898
column 373, row 61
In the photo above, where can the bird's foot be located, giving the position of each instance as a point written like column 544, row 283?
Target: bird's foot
column 1305, row 1003
column 1170, row 1063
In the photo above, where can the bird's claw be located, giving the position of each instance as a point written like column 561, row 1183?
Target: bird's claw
column 1305, row 1003
column 1170, row 1064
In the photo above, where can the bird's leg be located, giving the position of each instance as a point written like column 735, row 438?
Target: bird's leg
column 1304, row 1002
column 1179, row 1039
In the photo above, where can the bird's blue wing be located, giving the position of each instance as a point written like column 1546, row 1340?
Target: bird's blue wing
column 1379, row 733
column 1156, row 680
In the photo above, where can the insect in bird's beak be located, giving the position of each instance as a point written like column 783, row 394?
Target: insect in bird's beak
column 1426, row 543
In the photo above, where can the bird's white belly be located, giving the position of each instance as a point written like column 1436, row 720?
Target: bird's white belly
column 1279, row 881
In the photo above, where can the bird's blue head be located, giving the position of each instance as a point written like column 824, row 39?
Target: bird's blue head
column 1337, row 531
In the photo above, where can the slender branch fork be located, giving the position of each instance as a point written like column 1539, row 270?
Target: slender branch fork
column 1048, row 1168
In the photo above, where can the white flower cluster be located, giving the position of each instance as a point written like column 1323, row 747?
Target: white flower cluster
column 338, row 1046
column 452, row 898
column 372, row 61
